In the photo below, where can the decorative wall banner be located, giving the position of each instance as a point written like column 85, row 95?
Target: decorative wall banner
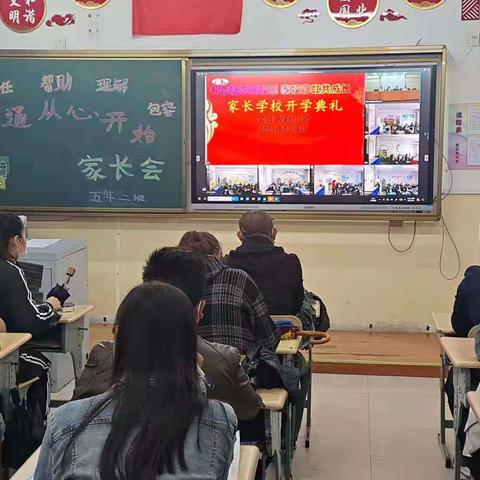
column 309, row 15
column 61, row 20
column 392, row 16
column 352, row 13
column 91, row 4
column 280, row 3
column 470, row 10
column 464, row 136
column 425, row 4
column 22, row 16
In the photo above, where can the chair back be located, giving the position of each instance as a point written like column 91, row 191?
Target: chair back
column 3, row 327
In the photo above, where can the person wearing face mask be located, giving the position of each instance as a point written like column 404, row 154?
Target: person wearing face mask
column 17, row 308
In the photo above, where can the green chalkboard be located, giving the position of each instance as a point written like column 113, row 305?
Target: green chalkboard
column 88, row 133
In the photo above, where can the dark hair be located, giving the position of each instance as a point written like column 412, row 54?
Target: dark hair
column 10, row 226
column 156, row 390
column 201, row 242
column 256, row 223
column 183, row 269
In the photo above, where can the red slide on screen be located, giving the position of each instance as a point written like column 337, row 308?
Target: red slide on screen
column 285, row 119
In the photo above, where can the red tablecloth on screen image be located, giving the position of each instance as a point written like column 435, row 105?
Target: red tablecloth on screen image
column 330, row 136
column 184, row 17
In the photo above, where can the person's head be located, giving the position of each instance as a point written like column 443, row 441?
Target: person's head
column 201, row 242
column 181, row 268
column 13, row 243
column 156, row 392
column 256, row 223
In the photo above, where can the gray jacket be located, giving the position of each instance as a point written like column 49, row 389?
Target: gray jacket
column 208, row 445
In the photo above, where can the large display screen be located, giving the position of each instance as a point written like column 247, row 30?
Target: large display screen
column 356, row 139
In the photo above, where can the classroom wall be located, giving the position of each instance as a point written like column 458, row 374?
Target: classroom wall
column 351, row 265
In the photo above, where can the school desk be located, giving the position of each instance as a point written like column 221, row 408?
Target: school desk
column 10, row 344
column 73, row 328
column 276, row 402
column 289, row 347
column 27, row 470
column 249, row 457
column 443, row 327
column 461, row 353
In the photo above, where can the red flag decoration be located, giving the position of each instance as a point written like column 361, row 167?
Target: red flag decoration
column 186, row 17
column 22, row 16
column 352, row 13
column 91, row 4
column 425, row 4
column 470, row 9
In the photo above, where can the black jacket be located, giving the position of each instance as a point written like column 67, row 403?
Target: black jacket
column 466, row 311
column 221, row 365
column 277, row 273
column 17, row 308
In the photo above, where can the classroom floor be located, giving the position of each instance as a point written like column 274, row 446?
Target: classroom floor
column 367, row 353
column 369, row 427
column 373, row 428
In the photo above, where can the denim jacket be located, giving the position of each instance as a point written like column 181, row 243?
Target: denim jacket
column 208, row 445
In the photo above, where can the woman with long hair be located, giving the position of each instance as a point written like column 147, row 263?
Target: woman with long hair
column 17, row 307
column 235, row 312
column 154, row 422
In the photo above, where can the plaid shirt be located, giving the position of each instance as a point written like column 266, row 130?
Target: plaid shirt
column 235, row 313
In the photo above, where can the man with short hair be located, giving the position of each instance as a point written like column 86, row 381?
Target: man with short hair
column 226, row 379
column 277, row 274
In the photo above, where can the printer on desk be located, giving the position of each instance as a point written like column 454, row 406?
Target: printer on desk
column 56, row 256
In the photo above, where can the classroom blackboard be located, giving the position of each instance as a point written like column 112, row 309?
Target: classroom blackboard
column 82, row 133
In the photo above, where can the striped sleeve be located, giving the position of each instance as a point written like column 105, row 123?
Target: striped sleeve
column 24, row 314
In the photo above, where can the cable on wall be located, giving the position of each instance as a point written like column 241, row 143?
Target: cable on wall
column 446, row 230
column 400, row 250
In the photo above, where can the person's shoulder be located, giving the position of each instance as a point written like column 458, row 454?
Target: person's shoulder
column 236, row 273
column 8, row 267
column 216, row 352
column 221, row 414
column 473, row 271
column 8, row 271
column 69, row 417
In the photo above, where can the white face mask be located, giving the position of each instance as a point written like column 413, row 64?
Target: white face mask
column 21, row 245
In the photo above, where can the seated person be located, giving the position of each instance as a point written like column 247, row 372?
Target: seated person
column 22, row 315
column 277, row 273
column 154, row 423
column 221, row 364
column 466, row 310
column 235, row 312
column 17, row 308
column 466, row 315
